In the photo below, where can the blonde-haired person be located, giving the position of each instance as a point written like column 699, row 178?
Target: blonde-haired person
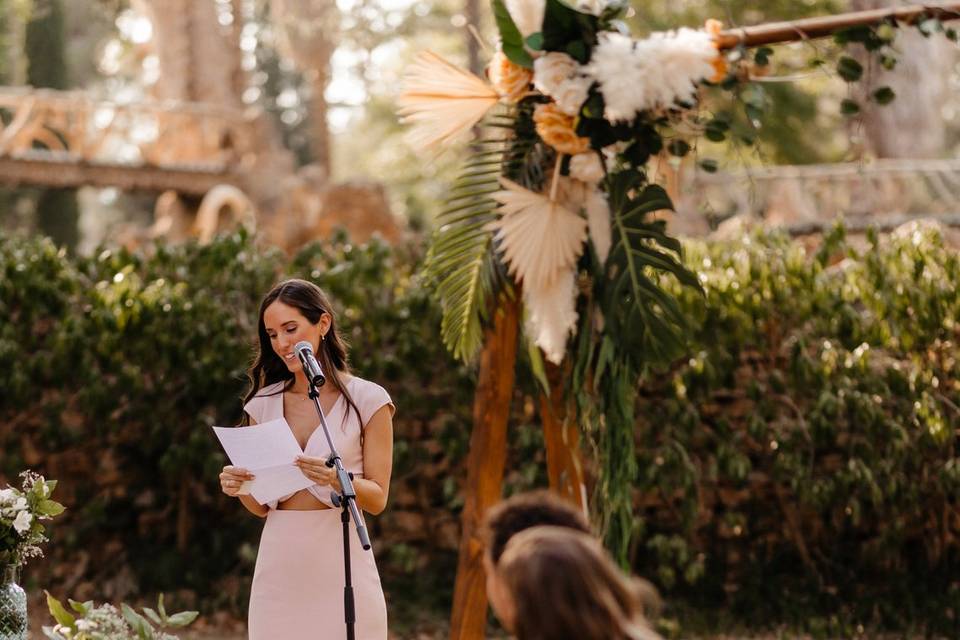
column 561, row 583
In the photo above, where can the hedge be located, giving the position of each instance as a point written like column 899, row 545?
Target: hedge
column 805, row 447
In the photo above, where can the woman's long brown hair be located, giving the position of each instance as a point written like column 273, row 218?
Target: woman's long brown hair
column 564, row 585
column 268, row 368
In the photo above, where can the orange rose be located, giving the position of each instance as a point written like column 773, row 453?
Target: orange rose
column 558, row 130
column 510, row 80
column 719, row 69
column 714, row 27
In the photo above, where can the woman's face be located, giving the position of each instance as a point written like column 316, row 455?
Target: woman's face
column 287, row 326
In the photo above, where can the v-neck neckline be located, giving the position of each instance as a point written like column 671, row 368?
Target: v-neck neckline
column 327, row 414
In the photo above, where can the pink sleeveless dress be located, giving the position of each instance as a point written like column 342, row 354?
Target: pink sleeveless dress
column 297, row 587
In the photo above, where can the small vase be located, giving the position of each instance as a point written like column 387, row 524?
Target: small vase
column 13, row 605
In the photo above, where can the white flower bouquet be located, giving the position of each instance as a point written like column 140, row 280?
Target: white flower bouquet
column 584, row 107
column 21, row 513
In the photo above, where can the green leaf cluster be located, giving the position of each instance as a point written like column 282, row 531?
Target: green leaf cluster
column 103, row 622
column 806, row 445
column 114, row 367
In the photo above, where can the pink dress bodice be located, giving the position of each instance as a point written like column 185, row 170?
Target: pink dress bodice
column 341, row 421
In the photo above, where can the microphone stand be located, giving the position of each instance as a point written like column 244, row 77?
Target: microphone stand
column 347, row 501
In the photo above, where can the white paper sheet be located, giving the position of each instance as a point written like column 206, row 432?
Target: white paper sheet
column 268, row 451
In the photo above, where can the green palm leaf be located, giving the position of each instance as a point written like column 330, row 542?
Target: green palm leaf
column 461, row 264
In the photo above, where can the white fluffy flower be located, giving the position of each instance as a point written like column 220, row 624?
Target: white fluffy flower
column 613, row 66
column 652, row 73
column 552, row 70
column 527, row 15
column 586, row 167
column 577, row 195
column 7, row 496
column 22, row 522
column 598, row 221
column 571, row 94
column 20, row 504
column 552, row 314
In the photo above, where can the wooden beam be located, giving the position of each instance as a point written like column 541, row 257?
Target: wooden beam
column 562, row 439
column 485, row 466
column 821, row 27
column 50, row 171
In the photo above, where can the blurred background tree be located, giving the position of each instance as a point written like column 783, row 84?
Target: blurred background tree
column 327, row 73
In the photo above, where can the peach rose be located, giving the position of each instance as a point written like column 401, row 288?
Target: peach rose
column 720, row 69
column 572, row 94
column 557, row 129
column 510, row 80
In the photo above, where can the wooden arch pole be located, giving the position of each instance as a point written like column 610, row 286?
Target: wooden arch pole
column 561, row 437
column 821, row 27
column 486, row 461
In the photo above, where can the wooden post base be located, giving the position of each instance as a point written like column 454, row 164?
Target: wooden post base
column 485, row 466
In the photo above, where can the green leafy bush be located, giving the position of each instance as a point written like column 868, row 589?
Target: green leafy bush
column 117, row 365
column 807, row 447
column 804, row 447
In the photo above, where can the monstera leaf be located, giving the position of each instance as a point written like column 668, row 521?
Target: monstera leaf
column 646, row 319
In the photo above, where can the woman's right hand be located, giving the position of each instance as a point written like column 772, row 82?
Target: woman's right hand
column 232, row 477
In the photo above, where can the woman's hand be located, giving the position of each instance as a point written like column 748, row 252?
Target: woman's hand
column 317, row 470
column 231, row 478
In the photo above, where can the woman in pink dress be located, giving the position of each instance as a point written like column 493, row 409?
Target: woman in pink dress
column 298, row 581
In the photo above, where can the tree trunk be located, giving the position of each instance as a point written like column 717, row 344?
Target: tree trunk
column 57, row 213
column 13, row 23
column 307, row 32
column 912, row 126
column 485, row 465
column 320, row 146
column 199, row 58
column 238, row 74
column 562, row 438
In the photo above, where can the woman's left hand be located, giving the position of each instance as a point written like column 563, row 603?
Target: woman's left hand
column 317, row 470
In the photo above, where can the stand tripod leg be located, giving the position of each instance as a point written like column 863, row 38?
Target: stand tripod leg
column 348, row 605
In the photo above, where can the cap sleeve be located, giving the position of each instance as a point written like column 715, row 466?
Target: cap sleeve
column 265, row 406
column 374, row 397
column 254, row 409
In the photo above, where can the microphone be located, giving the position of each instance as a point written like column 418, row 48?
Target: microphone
column 311, row 368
